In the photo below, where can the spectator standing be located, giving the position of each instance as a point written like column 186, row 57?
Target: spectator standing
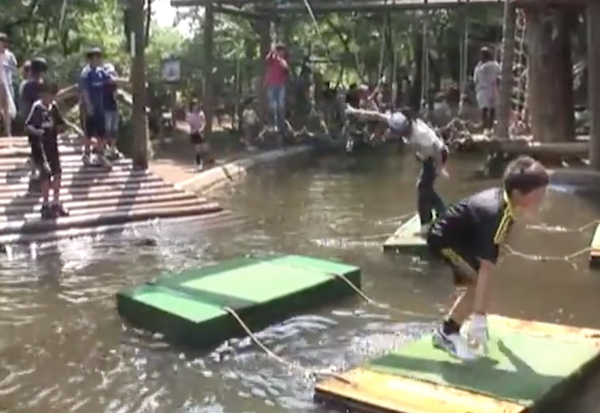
column 197, row 122
column 111, row 112
column 487, row 79
column 8, row 71
column 92, row 91
column 275, row 81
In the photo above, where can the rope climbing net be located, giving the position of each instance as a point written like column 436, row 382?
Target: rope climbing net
column 519, row 98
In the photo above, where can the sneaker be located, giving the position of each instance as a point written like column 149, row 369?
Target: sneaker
column 47, row 212
column 424, row 229
column 59, row 210
column 454, row 344
column 200, row 167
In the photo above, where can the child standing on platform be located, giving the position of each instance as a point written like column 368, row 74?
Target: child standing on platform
column 43, row 126
column 197, row 121
column 430, row 150
column 468, row 237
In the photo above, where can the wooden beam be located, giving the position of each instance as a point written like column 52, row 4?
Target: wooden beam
column 233, row 11
column 381, row 6
column 327, row 6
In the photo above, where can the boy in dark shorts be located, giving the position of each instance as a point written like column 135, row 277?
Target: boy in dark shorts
column 43, row 125
column 468, row 237
column 197, row 121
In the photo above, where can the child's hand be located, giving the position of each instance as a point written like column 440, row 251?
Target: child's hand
column 444, row 173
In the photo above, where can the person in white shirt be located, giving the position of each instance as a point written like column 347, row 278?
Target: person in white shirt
column 430, row 150
column 197, row 121
column 8, row 71
column 486, row 77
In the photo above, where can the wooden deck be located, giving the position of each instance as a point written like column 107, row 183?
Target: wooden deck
column 97, row 198
column 366, row 390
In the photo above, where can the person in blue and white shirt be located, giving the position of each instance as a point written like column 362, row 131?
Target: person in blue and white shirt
column 430, row 150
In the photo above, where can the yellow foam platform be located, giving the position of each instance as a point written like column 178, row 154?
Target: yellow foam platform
column 407, row 237
column 531, row 365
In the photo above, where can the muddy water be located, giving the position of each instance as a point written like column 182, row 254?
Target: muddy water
column 64, row 349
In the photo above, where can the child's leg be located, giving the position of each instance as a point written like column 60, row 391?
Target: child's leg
column 426, row 192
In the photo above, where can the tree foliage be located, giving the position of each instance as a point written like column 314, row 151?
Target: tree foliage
column 351, row 47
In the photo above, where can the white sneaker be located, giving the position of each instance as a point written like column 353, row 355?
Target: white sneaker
column 455, row 345
column 424, row 229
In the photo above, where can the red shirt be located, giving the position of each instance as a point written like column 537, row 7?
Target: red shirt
column 276, row 73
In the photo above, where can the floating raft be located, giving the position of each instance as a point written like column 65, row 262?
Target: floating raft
column 531, row 366
column 595, row 249
column 97, row 197
column 191, row 308
column 407, row 238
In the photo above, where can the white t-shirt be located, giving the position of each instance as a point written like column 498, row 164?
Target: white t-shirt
column 486, row 75
column 196, row 121
column 424, row 140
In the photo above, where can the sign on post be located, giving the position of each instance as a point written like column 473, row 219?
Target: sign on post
column 171, row 70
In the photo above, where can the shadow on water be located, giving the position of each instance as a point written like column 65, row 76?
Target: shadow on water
column 64, row 348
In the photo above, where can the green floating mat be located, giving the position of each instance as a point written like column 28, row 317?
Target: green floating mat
column 189, row 308
column 521, row 368
column 407, row 237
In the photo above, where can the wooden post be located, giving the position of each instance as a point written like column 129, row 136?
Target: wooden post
column 506, row 82
column 593, row 69
column 208, row 98
column 551, row 81
column 138, row 84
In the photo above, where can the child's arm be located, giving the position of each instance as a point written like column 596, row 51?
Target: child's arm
column 488, row 225
column 33, row 125
column 202, row 121
column 368, row 114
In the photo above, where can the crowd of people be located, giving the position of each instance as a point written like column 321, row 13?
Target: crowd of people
column 32, row 108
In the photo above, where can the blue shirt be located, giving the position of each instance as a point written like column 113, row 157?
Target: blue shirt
column 92, row 82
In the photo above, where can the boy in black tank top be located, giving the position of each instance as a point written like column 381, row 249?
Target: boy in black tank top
column 468, row 237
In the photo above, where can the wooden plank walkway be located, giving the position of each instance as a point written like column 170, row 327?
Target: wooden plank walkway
column 516, row 378
column 96, row 197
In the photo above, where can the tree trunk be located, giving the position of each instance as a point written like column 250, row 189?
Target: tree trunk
column 138, row 85
column 550, row 101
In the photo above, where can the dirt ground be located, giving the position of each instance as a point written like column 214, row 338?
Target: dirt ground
column 174, row 157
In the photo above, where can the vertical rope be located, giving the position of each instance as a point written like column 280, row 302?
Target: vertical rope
column 425, row 63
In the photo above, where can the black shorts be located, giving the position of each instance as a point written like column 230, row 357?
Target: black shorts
column 52, row 156
column 196, row 138
column 463, row 263
column 94, row 126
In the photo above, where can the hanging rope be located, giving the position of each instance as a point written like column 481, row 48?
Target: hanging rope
column 381, row 64
column 425, row 63
column 464, row 50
